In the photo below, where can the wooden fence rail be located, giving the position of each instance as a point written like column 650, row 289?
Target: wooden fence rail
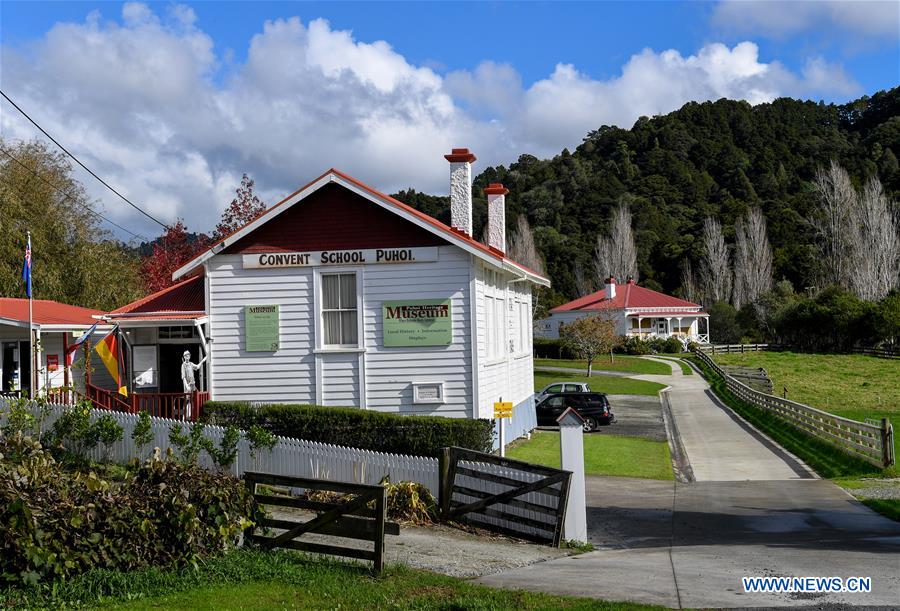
column 884, row 353
column 872, row 443
column 360, row 512
column 507, row 496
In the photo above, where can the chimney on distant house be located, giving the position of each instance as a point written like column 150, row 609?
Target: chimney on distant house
column 610, row 288
column 496, row 221
column 461, row 189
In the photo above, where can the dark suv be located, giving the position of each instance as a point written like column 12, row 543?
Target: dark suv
column 592, row 406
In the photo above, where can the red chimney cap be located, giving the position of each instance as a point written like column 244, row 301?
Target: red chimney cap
column 460, row 155
column 495, row 188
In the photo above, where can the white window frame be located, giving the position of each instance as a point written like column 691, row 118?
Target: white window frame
column 496, row 336
column 321, row 346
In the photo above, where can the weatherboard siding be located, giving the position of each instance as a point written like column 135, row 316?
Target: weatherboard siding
column 386, row 375
column 285, row 376
column 391, row 372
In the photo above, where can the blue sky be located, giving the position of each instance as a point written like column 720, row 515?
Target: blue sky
column 173, row 101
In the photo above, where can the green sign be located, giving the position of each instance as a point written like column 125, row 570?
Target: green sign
column 416, row 322
column 261, row 328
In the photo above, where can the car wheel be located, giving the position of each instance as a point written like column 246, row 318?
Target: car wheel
column 589, row 424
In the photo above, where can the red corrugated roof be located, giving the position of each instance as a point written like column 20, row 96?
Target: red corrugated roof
column 45, row 312
column 628, row 295
column 185, row 296
column 433, row 222
column 668, row 313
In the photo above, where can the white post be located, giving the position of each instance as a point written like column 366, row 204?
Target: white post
column 571, row 455
column 32, row 366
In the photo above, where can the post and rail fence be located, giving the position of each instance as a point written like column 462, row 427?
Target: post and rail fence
column 884, row 353
column 869, row 442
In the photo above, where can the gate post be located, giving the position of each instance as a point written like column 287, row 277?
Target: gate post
column 444, row 484
column 571, row 453
column 887, row 443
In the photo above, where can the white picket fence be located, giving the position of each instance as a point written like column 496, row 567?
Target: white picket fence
column 523, row 421
column 289, row 456
column 311, row 459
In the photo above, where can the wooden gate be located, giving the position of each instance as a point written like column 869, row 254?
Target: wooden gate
column 507, row 496
column 347, row 516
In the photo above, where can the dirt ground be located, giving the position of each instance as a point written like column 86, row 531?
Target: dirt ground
column 443, row 549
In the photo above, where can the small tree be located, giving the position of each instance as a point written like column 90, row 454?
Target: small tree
column 245, row 207
column 590, row 337
column 172, row 250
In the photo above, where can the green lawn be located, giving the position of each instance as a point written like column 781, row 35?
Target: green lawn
column 850, row 385
column 603, row 454
column 252, row 579
column 631, row 364
column 685, row 368
column 606, row 384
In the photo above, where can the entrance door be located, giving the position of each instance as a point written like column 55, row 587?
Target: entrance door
column 661, row 327
column 10, row 366
column 170, row 356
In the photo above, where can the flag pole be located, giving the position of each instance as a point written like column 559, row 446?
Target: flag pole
column 31, row 363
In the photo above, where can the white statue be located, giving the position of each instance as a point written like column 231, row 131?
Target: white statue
column 187, row 379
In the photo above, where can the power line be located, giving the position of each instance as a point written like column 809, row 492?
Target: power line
column 78, row 161
column 71, row 197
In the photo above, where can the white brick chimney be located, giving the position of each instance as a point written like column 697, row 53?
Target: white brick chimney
column 461, row 189
column 610, row 287
column 496, row 221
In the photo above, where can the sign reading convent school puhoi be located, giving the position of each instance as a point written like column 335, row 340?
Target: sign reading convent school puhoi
column 416, row 322
column 316, row 258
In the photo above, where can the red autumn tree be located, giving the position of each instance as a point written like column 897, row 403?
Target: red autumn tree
column 245, row 207
column 172, row 250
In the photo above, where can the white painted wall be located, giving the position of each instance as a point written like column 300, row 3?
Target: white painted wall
column 509, row 375
column 287, row 375
column 386, row 374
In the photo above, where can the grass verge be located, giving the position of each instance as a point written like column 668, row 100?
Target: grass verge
column 630, row 364
column 253, row 579
column 603, row 454
column 685, row 368
column 888, row 508
column 607, row 384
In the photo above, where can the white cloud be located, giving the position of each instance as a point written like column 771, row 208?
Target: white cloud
column 150, row 105
column 782, row 17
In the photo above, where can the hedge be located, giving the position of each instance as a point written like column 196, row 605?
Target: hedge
column 368, row 430
column 552, row 349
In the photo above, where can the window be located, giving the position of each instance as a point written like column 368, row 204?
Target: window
column 571, row 388
column 339, row 315
column 554, row 388
column 177, row 332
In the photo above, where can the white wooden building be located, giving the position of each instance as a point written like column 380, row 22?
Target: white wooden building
column 637, row 310
column 55, row 326
column 343, row 296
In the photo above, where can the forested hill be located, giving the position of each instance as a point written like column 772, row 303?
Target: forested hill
column 715, row 158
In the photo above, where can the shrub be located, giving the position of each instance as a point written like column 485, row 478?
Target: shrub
column 75, row 432
column 672, row 345
column 142, row 435
column 636, row 345
column 58, row 523
column 552, row 349
column 369, row 430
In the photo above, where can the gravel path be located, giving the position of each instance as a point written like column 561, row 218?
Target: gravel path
column 442, row 549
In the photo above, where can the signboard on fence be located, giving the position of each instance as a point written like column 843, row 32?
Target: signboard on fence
column 503, row 409
column 261, row 328
column 416, row 322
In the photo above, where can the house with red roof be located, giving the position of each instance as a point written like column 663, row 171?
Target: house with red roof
column 54, row 326
column 341, row 295
column 637, row 310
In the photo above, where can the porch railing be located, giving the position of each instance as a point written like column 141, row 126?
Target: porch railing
column 172, row 405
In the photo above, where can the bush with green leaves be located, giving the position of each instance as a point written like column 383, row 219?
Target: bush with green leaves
column 188, row 444
column 76, row 432
column 672, row 345
column 545, row 348
column 58, row 523
column 366, row 429
column 636, row 345
column 142, row 434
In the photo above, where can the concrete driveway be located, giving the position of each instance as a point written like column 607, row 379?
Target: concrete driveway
column 753, row 511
